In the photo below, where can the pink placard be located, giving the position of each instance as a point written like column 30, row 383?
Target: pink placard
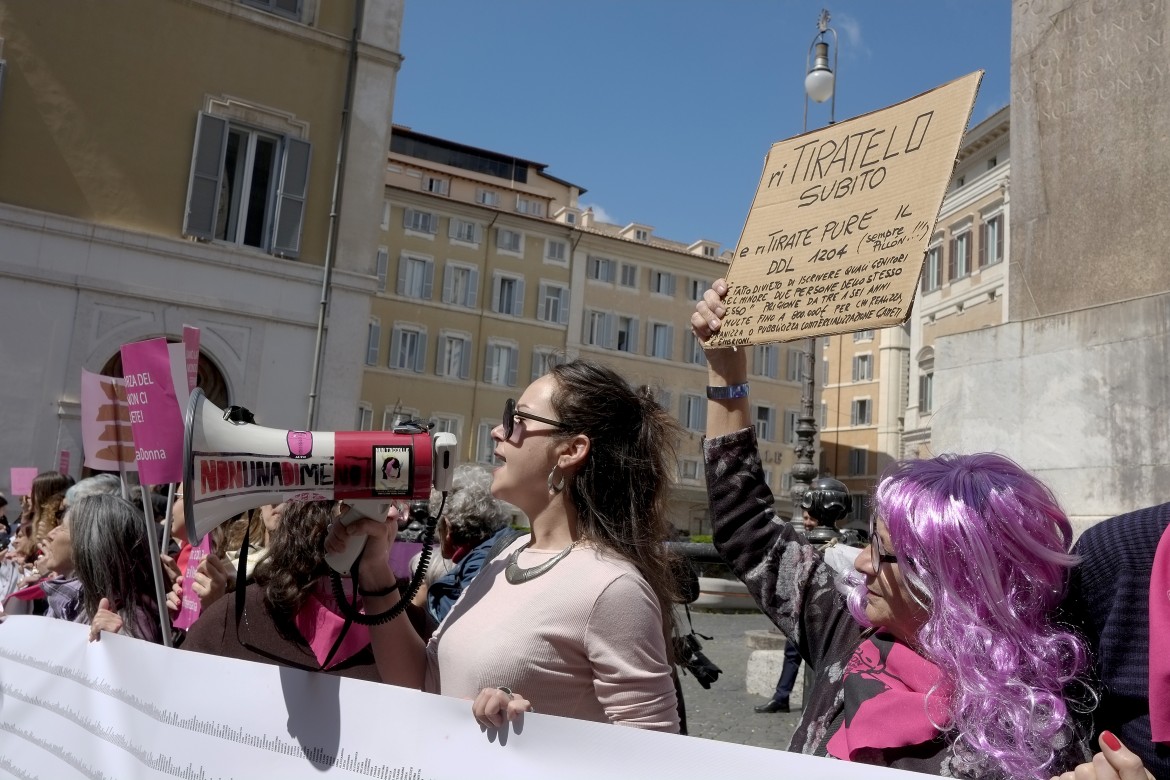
column 21, row 479
column 107, row 443
column 156, row 421
column 191, row 606
column 191, row 350
column 63, row 462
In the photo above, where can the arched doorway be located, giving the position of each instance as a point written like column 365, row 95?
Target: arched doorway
column 210, row 379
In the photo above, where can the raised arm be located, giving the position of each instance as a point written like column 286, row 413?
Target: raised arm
column 726, row 367
column 399, row 651
column 786, row 576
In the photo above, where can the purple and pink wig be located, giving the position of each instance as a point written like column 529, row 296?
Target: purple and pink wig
column 983, row 545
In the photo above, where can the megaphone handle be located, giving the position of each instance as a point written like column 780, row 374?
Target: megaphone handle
column 342, row 562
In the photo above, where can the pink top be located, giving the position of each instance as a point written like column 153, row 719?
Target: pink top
column 583, row 640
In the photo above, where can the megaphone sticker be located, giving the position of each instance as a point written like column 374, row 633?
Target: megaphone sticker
column 395, row 470
column 300, row 444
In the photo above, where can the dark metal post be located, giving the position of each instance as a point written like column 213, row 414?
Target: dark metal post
column 805, row 470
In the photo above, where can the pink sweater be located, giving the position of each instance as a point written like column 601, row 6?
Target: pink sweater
column 583, row 640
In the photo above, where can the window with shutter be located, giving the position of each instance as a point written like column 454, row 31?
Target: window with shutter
column 382, row 267
column 373, row 337
column 422, row 222
column 695, row 353
column 661, row 340
column 408, row 346
column 627, row 334
column 862, row 368
column 629, row 275
column 247, row 187
column 554, row 303
column 508, row 240
column 932, row 269
column 501, row 363
column 601, row 269
column 508, row 295
column 485, row 445
column 460, row 283
column 416, row 277
column 454, row 355
column 662, row 282
column 693, row 412
column 464, row 230
column 764, row 422
column 556, row 251
column 290, row 204
column 858, row 462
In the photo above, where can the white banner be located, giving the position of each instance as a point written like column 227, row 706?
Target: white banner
column 122, row 708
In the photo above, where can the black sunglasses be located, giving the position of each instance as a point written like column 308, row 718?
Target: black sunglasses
column 511, row 413
column 875, row 548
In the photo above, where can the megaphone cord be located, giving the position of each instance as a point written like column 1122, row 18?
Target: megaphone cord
column 349, row 609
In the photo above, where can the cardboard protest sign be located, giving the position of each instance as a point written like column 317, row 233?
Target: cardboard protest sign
column 105, row 424
column 156, row 421
column 837, row 233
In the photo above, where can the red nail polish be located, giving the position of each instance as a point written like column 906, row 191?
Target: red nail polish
column 1111, row 742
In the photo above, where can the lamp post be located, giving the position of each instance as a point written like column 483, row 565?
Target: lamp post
column 819, row 85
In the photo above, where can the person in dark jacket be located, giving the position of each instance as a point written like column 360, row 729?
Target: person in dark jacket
column 472, row 523
column 1110, row 600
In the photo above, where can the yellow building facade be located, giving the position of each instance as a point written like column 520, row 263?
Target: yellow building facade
column 167, row 163
column 877, row 386
column 489, row 267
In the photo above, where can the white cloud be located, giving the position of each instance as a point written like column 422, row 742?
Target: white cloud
column 850, row 30
column 599, row 213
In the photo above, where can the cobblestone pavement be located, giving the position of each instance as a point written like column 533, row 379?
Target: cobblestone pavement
column 724, row 711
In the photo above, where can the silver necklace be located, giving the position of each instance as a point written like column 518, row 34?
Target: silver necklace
column 515, row 575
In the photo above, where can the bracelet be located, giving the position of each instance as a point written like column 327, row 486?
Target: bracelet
column 721, row 393
column 386, row 591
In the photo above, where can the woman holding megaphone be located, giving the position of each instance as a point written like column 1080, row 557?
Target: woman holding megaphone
column 572, row 620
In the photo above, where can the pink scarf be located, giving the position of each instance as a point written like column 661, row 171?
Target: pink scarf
column 885, row 700
column 320, row 624
column 1159, row 641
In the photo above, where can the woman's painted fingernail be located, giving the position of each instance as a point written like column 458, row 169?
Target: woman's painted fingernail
column 1111, row 742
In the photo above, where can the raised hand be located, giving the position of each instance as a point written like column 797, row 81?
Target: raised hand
column 105, row 620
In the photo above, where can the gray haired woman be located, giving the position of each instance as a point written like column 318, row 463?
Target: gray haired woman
column 111, row 555
column 472, row 522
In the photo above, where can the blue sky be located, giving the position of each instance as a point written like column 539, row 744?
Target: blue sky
column 664, row 109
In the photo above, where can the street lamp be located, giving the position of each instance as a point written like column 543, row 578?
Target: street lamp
column 820, row 80
column 820, row 84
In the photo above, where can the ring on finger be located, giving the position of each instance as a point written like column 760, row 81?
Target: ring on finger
column 506, row 690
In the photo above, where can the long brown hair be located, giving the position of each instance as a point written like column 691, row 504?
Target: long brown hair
column 48, row 491
column 296, row 557
column 620, row 491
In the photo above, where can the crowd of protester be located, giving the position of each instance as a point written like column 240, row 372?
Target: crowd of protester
column 971, row 639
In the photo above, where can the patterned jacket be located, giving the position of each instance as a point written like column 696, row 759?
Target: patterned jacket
column 795, row 588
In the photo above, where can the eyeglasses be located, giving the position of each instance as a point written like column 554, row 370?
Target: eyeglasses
column 875, row 547
column 511, row 413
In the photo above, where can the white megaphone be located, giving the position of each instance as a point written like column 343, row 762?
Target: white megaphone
column 231, row 466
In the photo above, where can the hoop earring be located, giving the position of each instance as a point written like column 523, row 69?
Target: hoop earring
column 559, row 485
